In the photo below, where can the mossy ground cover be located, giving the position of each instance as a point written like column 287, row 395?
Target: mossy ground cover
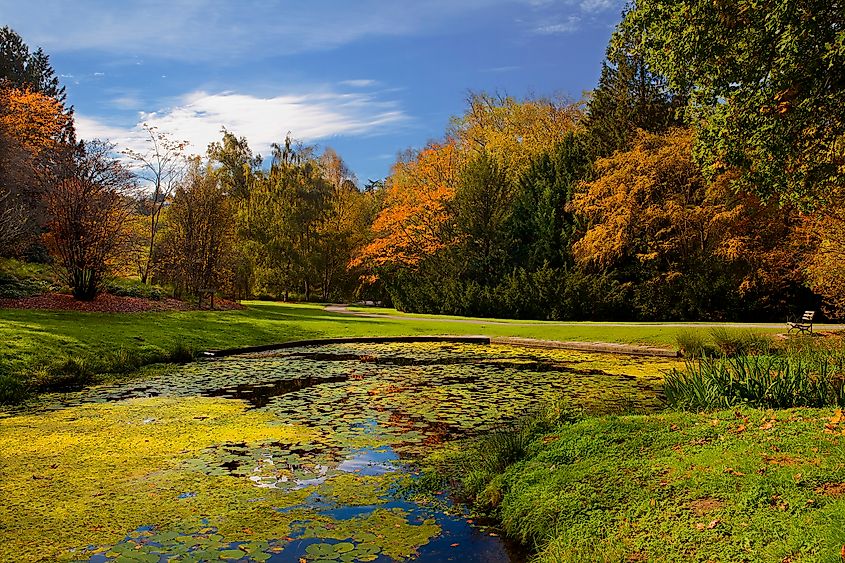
column 273, row 457
column 738, row 485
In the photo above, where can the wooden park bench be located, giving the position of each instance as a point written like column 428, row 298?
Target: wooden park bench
column 805, row 325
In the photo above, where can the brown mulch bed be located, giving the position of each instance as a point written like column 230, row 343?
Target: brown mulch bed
column 107, row 303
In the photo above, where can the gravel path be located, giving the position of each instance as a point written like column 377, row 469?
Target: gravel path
column 344, row 309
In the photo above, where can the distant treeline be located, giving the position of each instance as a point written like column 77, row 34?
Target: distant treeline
column 702, row 179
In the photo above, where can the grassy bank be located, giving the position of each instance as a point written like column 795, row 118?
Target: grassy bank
column 30, row 335
column 738, row 485
column 56, row 343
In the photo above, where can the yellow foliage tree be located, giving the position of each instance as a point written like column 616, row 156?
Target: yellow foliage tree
column 826, row 265
column 514, row 131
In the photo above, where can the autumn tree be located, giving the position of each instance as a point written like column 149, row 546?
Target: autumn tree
column 826, row 260
column 687, row 248
column 767, row 84
column 198, row 232
column 23, row 70
column 32, row 128
column 160, row 168
column 514, row 132
column 88, row 209
column 414, row 223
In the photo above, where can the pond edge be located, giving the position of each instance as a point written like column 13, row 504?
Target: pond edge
column 606, row 347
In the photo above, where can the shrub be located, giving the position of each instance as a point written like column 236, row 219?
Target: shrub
column 14, row 288
column 125, row 360
column 502, row 447
column 69, row 374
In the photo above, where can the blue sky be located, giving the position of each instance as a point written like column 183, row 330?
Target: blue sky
column 368, row 78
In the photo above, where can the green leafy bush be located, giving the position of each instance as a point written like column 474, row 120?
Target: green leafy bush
column 134, row 288
column 68, row 374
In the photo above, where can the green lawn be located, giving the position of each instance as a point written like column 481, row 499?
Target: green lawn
column 746, row 485
column 30, row 335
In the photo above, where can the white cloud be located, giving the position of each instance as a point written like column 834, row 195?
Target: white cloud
column 199, row 116
column 359, row 83
column 569, row 25
column 599, row 5
column 127, row 101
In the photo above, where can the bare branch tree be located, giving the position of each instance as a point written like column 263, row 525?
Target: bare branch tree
column 162, row 167
column 13, row 223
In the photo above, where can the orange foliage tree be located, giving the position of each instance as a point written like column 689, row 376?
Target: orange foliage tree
column 651, row 213
column 32, row 126
column 89, row 214
column 415, row 218
column 37, row 122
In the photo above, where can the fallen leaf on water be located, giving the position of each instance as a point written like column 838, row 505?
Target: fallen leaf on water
column 454, row 545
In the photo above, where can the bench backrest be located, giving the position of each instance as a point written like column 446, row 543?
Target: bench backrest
column 808, row 316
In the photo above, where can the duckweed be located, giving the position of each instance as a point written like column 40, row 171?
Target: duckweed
column 298, row 454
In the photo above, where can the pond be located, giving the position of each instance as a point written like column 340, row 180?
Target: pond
column 298, row 456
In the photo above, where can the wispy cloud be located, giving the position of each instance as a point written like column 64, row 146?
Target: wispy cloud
column 510, row 68
column 127, row 101
column 568, row 16
column 359, row 83
column 199, row 116
column 221, row 30
column 569, row 25
column 600, row 5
